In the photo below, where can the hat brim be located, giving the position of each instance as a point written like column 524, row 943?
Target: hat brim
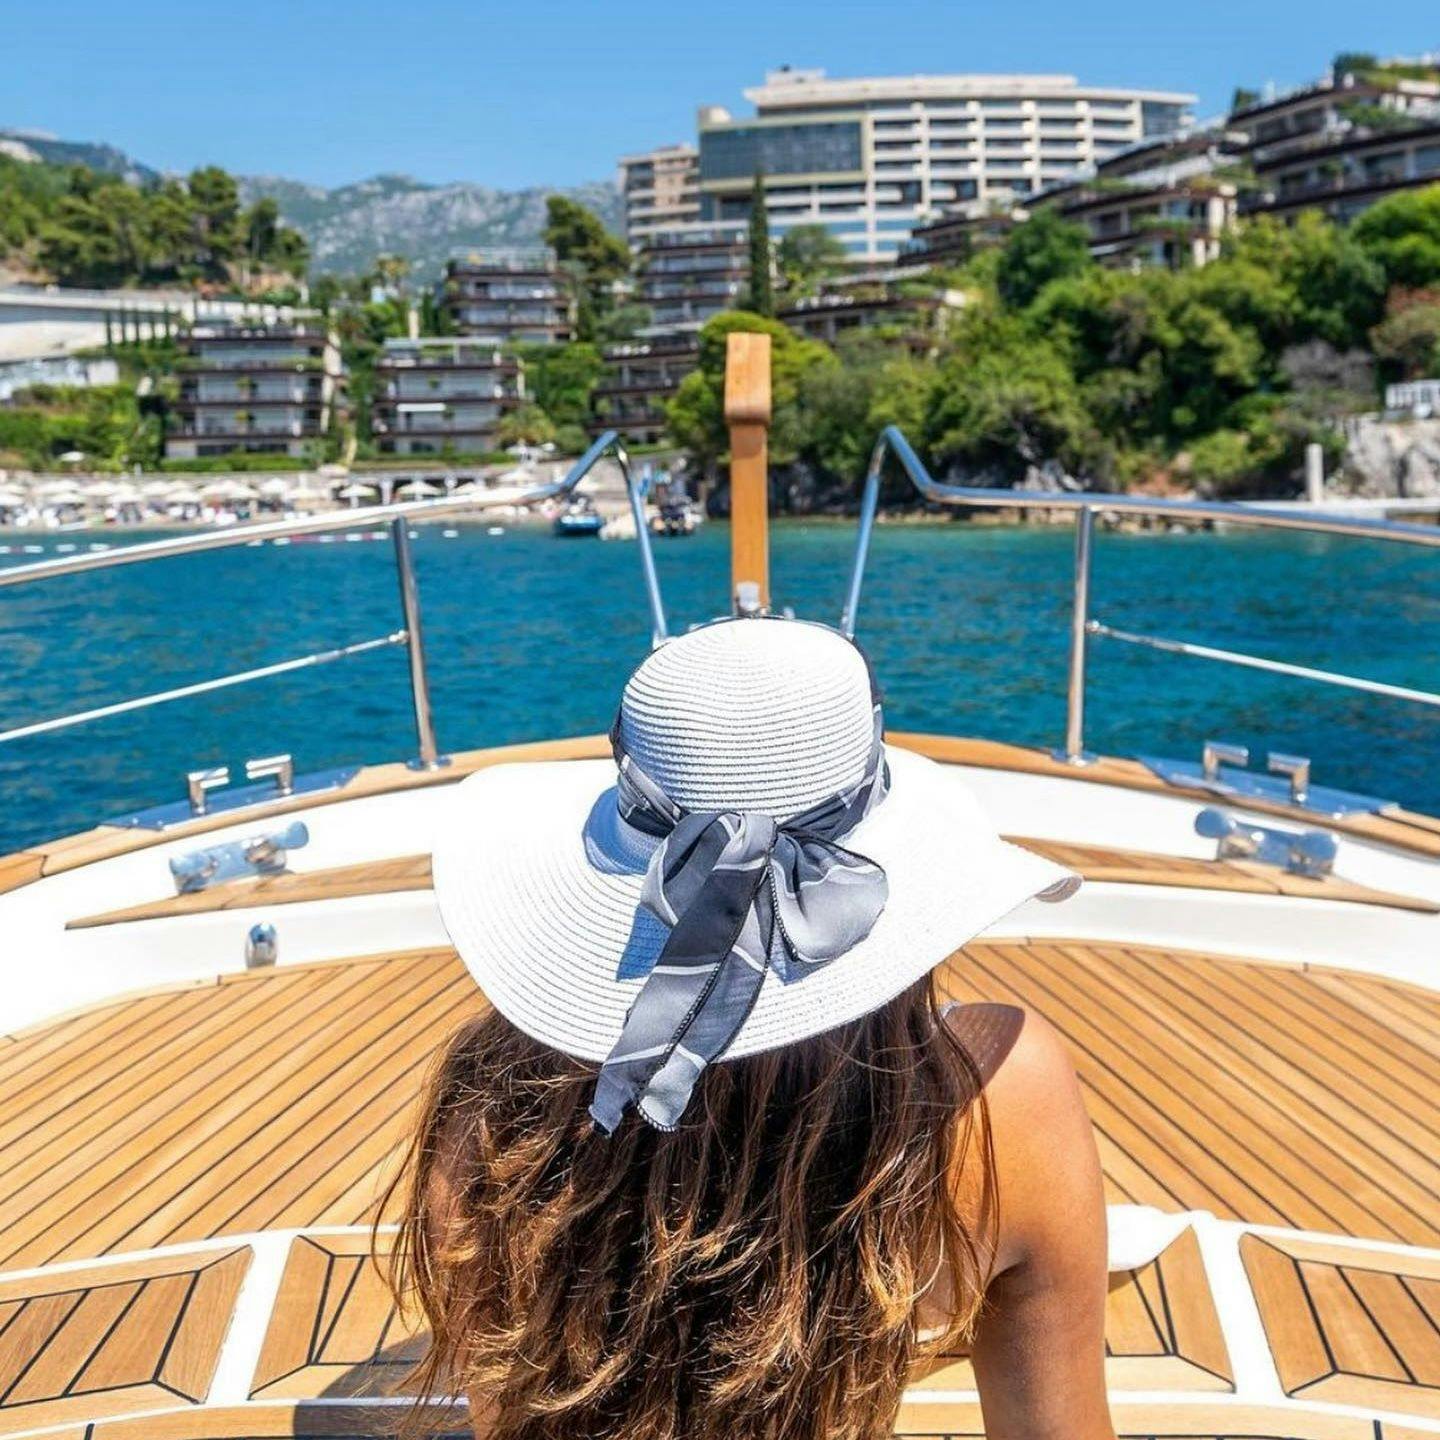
column 538, row 882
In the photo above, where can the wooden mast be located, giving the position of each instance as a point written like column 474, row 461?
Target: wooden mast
column 747, row 413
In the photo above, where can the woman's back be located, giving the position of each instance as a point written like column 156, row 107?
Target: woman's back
column 780, row 1271
column 714, row 1147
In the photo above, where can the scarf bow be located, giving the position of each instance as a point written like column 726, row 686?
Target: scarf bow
column 742, row 893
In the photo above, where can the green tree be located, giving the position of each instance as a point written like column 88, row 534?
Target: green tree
column 389, row 273
column 1046, row 247
column 808, row 256
column 761, row 299
column 1317, row 280
column 1402, row 233
column 262, row 230
column 695, row 414
column 561, row 378
column 594, row 257
column 525, row 425
column 216, row 201
column 1408, row 339
column 1005, row 400
column 844, row 407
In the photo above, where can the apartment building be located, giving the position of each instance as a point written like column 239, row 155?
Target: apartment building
column 1343, row 143
column 913, row 318
column 870, row 159
column 443, row 395
column 1164, row 202
column 511, row 293
column 687, row 273
column 659, row 190
column 640, row 377
column 272, row 389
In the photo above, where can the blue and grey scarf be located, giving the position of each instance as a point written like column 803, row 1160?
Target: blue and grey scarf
column 742, row 894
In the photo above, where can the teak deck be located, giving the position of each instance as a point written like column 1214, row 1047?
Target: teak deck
column 278, row 1099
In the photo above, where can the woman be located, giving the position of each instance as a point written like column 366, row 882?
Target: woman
column 717, row 1163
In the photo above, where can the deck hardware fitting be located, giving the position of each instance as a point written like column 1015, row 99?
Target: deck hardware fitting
column 199, row 782
column 1240, row 786
column 235, row 797
column 281, row 767
column 1296, row 768
column 253, row 856
column 1214, row 753
column 1298, row 852
column 261, row 947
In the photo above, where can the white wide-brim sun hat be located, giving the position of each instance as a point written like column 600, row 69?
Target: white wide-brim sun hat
column 539, row 878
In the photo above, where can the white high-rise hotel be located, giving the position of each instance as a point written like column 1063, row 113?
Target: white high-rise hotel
column 871, row 159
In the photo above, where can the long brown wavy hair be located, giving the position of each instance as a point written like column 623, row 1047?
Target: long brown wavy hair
column 753, row 1275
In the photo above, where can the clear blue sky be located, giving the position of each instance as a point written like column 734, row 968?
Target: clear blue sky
column 516, row 92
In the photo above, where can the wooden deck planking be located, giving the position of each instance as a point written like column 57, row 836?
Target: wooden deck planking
column 1162, row 1331
column 279, row 1098
column 1141, row 867
column 1182, row 1014
column 138, row 1336
column 334, row 1330
column 1226, row 1087
column 931, row 1421
column 1350, row 1324
column 390, row 876
column 199, row 1136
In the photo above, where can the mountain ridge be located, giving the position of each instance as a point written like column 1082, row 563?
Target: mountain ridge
column 348, row 226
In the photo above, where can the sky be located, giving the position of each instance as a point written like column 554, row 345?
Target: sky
column 552, row 92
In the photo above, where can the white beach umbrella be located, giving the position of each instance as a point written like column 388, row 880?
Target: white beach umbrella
column 419, row 487
column 275, row 486
column 358, row 491
column 183, row 495
column 153, row 488
column 11, row 497
column 73, row 457
column 63, row 495
column 124, row 492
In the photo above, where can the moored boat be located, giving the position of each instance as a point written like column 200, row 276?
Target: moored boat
column 578, row 520
column 220, row 1008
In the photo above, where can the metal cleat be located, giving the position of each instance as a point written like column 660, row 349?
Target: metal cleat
column 1297, row 852
column 238, row 859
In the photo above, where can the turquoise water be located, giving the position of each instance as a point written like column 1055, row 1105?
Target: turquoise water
column 530, row 637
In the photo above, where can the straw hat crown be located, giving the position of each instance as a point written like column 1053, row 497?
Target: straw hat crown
column 751, row 715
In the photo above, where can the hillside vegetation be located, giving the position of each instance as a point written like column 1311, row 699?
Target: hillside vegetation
column 1215, row 377
column 78, row 226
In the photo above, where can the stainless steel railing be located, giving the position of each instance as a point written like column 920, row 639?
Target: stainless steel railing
column 400, row 517
column 1087, row 504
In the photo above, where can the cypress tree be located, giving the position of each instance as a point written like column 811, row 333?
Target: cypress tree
column 762, row 290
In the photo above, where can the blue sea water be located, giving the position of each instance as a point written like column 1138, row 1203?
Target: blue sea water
column 530, row 637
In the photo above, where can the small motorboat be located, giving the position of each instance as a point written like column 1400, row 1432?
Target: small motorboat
column 579, row 518
column 676, row 517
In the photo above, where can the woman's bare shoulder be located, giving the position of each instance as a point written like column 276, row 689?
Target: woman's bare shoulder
column 1015, row 1050
column 1042, row 1143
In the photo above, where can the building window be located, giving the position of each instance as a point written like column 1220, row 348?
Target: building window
column 807, row 148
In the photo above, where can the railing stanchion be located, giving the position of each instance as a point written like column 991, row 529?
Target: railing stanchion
column 1074, row 753
column 429, row 754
